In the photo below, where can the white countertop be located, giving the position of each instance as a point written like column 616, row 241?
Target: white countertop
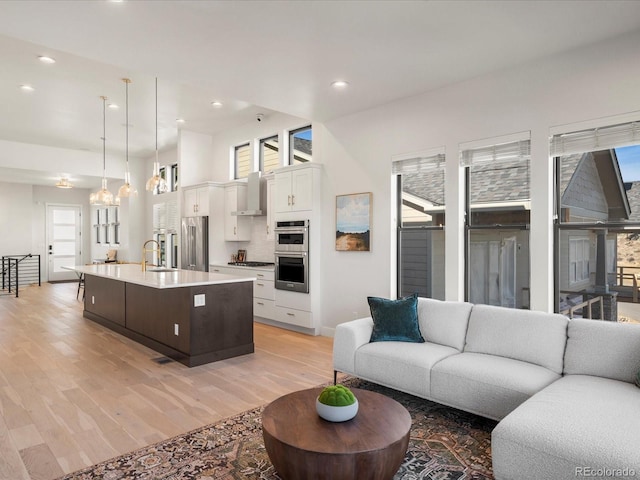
column 132, row 273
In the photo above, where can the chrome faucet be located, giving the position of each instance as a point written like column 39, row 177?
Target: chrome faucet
column 145, row 250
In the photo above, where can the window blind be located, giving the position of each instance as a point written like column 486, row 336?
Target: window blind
column 594, row 139
column 519, row 150
column 418, row 164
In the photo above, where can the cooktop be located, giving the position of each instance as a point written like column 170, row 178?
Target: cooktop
column 252, row 264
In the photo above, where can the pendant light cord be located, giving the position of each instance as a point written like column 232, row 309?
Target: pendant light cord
column 126, row 83
column 156, row 118
column 104, row 137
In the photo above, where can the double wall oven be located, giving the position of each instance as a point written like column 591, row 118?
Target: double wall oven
column 292, row 256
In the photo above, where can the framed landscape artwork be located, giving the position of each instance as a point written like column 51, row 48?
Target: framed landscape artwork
column 353, row 222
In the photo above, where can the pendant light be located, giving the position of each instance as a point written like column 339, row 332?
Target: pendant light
column 127, row 190
column 156, row 181
column 103, row 196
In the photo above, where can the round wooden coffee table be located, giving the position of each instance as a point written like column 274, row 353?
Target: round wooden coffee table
column 301, row 445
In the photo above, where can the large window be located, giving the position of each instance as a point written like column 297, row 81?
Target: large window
column 597, row 197
column 269, row 154
column 300, row 143
column 242, row 160
column 420, row 213
column 497, row 223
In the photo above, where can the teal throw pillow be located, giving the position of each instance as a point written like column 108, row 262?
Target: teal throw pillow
column 395, row 320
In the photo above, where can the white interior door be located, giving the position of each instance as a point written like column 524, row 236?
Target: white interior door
column 63, row 241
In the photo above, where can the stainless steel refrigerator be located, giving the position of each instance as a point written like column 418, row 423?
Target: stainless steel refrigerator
column 195, row 243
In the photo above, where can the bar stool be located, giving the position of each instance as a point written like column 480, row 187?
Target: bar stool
column 80, row 286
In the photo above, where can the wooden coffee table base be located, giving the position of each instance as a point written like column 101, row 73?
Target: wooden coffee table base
column 301, row 445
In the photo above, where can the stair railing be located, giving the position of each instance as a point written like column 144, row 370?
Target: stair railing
column 20, row 270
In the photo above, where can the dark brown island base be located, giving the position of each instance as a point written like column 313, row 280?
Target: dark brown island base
column 192, row 317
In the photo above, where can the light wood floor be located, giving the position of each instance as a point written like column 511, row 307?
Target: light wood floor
column 73, row 393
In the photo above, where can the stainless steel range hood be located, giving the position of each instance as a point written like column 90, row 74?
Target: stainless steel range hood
column 254, row 197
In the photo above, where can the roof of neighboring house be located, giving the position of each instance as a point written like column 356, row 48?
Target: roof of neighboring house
column 302, row 144
column 603, row 166
column 426, row 185
column 568, row 165
column 490, row 183
column 633, row 194
column 500, row 182
column 503, row 182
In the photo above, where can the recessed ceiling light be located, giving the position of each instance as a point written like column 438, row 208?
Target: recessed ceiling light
column 27, row 88
column 340, row 84
column 179, row 120
column 45, row 59
column 216, row 104
column 113, row 106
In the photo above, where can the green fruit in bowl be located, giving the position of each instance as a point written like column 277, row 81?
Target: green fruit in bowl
column 337, row 396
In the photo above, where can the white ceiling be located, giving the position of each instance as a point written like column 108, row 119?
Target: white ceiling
column 260, row 56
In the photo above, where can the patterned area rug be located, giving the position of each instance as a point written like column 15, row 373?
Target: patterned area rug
column 446, row 444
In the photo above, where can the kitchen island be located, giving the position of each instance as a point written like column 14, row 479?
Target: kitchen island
column 192, row 317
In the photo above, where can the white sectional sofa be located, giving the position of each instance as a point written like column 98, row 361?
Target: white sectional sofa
column 562, row 390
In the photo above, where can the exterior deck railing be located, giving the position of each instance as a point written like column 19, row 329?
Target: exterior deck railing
column 588, row 302
column 629, row 277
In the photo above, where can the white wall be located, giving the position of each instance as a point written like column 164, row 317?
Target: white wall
column 194, row 158
column 16, row 206
column 591, row 83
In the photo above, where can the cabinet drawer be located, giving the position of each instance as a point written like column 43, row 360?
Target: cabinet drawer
column 264, row 289
column 294, row 317
column 264, row 308
column 225, row 270
column 264, row 275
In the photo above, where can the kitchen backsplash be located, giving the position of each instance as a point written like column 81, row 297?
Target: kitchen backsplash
column 259, row 249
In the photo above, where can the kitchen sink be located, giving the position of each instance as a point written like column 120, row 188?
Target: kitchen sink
column 162, row 270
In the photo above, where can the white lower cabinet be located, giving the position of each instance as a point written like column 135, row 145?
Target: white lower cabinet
column 264, row 308
column 301, row 318
column 293, row 308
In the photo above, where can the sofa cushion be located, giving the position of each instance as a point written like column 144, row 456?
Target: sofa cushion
column 395, row 320
column 444, row 322
column 579, row 422
column 603, row 349
column 403, row 366
column 487, row 385
column 529, row 336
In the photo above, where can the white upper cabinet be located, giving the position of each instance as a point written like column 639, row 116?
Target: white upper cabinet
column 236, row 228
column 294, row 190
column 196, row 202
